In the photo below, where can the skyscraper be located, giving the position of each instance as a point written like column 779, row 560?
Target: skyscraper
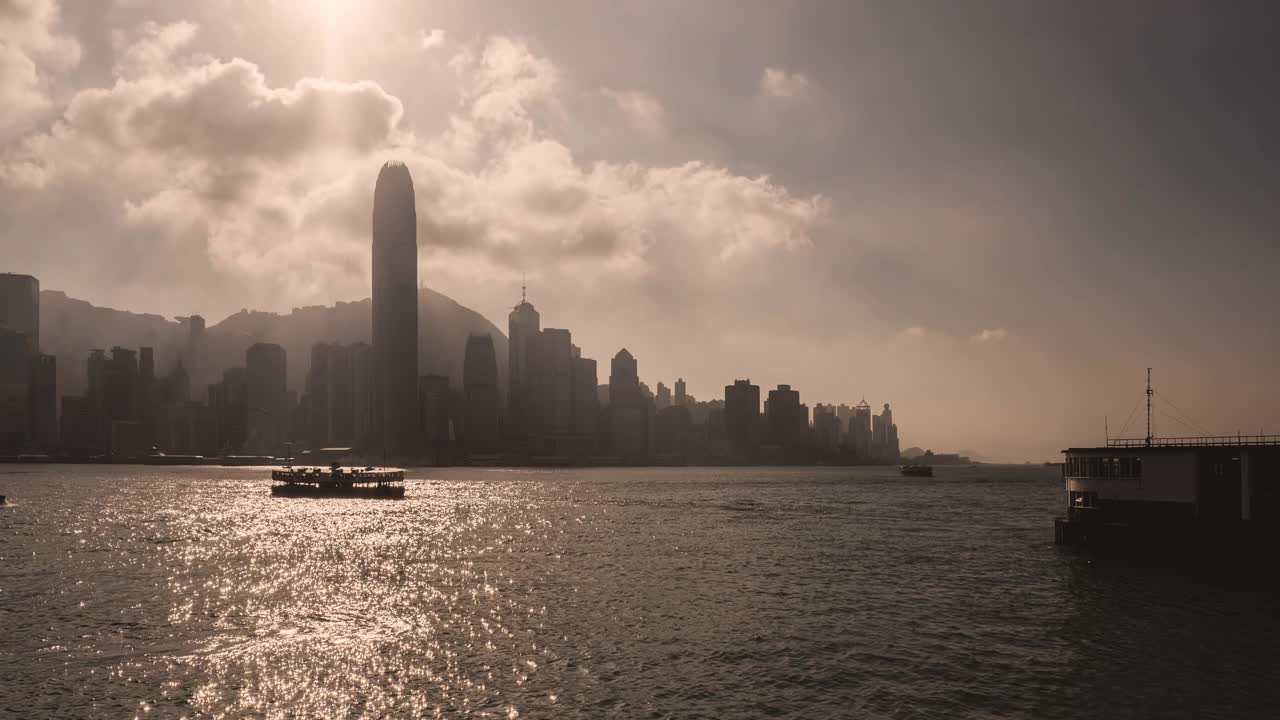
column 395, row 311
column 480, row 394
column 788, row 420
column 266, row 387
column 550, row 388
column 628, row 409
column 20, row 307
column 15, row 389
column 742, row 415
column 522, row 325
column 662, row 399
column 681, row 398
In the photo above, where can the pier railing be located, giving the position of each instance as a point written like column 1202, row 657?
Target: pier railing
column 1202, row 441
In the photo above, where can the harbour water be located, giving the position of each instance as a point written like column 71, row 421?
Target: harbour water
column 649, row 593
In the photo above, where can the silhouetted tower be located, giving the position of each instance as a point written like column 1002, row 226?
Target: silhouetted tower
column 480, row 393
column 522, row 325
column 681, row 397
column 628, row 416
column 266, row 386
column 20, row 307
column 395, row 311
column 742, row 415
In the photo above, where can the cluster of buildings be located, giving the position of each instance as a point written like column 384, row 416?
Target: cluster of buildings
column 367, row 400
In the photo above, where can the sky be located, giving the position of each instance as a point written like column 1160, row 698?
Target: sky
column 992, row 215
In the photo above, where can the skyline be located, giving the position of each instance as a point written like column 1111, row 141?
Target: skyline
column 1002, row 248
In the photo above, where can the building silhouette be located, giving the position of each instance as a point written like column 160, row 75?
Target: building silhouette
column 787, row 420
column 15, row 390
column 266, row 393
column 585, row 401
column 628, row 410
column 523, row 324
column 742, row 417
column 860, row 431
column 28, row 385
column 681, row 397
column 480, row 394
column 20, row 307
column 662, row 398
column 435, row 419
column 395, row 312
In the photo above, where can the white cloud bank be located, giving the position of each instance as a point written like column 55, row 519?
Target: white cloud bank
column 264, row 192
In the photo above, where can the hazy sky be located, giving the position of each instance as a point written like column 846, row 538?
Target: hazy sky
column 994, row 215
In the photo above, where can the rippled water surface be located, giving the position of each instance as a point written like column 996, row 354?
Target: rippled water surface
column 673, row 592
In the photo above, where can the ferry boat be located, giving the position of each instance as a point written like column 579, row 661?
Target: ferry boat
column 1190, row 493
column 917, row 470
column 337, row 481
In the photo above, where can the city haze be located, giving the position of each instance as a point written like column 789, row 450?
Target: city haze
column 993, row 216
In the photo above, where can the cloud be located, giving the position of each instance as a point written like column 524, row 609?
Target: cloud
column 912, row 332
column 149, row 46
column 264, row 192
column 642, row 110
column 778, row 83
column 432, row 40
column 32, row 56
column 986, row 336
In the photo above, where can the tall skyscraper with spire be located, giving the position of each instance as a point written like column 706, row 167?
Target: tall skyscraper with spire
column 395, row 312
column 523, row 324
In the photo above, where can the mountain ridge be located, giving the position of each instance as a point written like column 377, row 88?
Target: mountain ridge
column 70, row 328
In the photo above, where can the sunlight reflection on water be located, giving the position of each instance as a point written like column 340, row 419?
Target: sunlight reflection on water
column 594, row 593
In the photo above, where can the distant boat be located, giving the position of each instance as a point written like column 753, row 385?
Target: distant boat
column 337, row 481
column 917, row 470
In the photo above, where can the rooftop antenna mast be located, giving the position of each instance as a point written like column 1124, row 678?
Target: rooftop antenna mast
column 1149, row 393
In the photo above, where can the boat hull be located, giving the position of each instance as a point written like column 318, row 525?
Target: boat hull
column 338, row 490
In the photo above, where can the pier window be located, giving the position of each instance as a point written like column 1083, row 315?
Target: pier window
column 1137, row 467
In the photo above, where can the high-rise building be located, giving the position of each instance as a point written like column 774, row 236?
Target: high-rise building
column 229, row 400
column 826, row 427
column 266, row 389
column 395, row 311
column 15, row 389
column 340, row 396
column 672, row 434
column 742, row 416
column 20, row 307
column 523, row 324
column 550, row 388
column 148, row 393
column 860, row 431
column 362, row 394
column 787, row 419
column 662, row 399
column 586, row 407
column 681, row 398
column 628, row 409
column 480, row 394
column 318, row 382
column 433, row 404
column 44, row 401
column 19, row 360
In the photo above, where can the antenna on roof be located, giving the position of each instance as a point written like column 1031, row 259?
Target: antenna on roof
column 1149, row 393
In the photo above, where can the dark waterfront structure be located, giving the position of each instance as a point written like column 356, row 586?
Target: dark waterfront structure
column 395, row 312
column 1216, row 495
column 480, row 395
